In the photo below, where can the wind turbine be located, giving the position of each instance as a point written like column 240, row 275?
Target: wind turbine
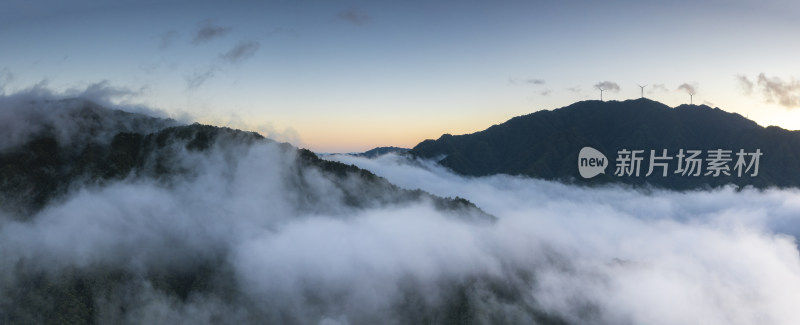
column 640, row 86
column 601, row 92
column 689, row 90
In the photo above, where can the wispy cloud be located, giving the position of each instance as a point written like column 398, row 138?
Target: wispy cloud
column 166, row 39
column 607, row 86
column 206, row 31
column 689, row 89
column 103, row 92
column 237, row 54
column 529, row 81
column 241, row 52
column 576, row 89
column 745, row 84
column 786, row 93
column 198, row 78
column 25, row 112
column 354, row 16
column 658, row 87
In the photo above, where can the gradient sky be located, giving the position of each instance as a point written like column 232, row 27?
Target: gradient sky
column 340, row 76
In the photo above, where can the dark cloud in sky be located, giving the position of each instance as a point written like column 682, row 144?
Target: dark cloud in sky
column 206, row 31
column 607, row 86
column 785, row 93
column 241, row 52
column 545, row 92
column 354, row 16
column 689, row 89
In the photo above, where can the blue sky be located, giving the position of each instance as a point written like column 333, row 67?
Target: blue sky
column 351, row 75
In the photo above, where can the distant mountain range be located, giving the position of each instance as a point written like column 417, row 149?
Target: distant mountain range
column 545, row 145
column 380, row 151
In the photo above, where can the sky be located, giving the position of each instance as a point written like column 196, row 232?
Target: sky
column 343, row 76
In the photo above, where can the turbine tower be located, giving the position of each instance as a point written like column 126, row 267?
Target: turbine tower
column 691, row 94
column 640, row 86
column 601, row 93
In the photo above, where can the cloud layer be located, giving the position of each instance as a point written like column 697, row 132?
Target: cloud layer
column 720, row 257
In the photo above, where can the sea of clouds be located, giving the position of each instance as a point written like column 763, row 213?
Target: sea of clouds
column 644, row 256
column 605, row 255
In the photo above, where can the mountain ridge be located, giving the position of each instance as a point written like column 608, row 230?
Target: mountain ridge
column 380, row 151
column 545, row 144
column 103, row 149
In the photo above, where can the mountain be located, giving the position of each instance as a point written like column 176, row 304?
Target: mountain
column 380, row 151
column 546, row 144
column 104, row 145
column 114, row 217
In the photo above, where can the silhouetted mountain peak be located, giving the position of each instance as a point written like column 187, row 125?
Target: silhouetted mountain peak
column 545, row 144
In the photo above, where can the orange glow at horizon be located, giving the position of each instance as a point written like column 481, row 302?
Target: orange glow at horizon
column 359, row 136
